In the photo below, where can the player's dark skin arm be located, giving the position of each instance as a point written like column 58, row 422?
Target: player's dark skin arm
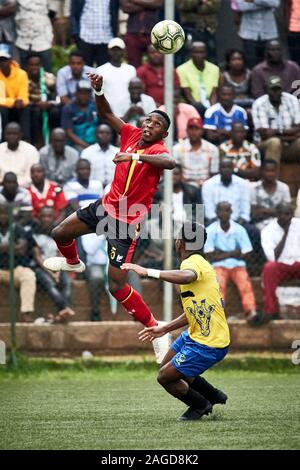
column 165, row 162
column 176, row 276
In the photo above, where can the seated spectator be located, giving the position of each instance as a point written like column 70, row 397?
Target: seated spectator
column 257, row 25
column 24, row 277
column 267, row 195
column 227, row 247
column 297, row 211
column 200, row 21
column 280, row 241
column 12, row 194
column 82, row 190
column 44, row 109
column 245, row 155
column 293, row 29
column 57, row 158
column 14, row 98
column 93, row 25
column 70, row 75
column 238, row 76
column 276, row 118
column 185, row 198
column 142, row 16
column 220, row 117
column 16, row 154
column 198, row 158
column 8, row 9
column 94, row 248
column 56, row 285
column 80, row 118
column 274, row 65
column 152, row 74
column 101, row 154
column 199, row 79
column 182, row 113
column 226, row 187
column 46, row 193
column 139, row 104
column 116, row 77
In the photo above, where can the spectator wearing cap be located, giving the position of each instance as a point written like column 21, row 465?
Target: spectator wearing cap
column 116, row 77
column 142, row 16
column 199, row 79
column 274, row 65
column 245, row 155
column 152, row 74
column 14, row 97
column 276, row 118
column 139, row 104
column 57, row 158
column 257, row 25
column 101, row 154
column 219, row 118
column 44, row 192
column 93, row 24
column 11, row 193
column 280, row 241
column 16, row 154
column 8, row 9
column 70, row 75
column 182, row 113
column 80, row 118
column 34, row 29
column 199, row 159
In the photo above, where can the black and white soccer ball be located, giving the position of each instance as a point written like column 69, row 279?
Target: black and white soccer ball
column 167, row 37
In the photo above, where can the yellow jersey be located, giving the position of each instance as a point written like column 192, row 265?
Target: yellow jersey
column 203, row 304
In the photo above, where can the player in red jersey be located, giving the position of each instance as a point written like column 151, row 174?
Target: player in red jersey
column 139, row 165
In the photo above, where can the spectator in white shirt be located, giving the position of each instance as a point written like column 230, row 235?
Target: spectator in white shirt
column 199, row 159
column 17, row 155
column 297, row 211
column 101, row 154
column 117, row 76
column 82, row 190
column 12, row 194
column 280, row 241
column 267, row 194
column 139, row 104
column 276, row 118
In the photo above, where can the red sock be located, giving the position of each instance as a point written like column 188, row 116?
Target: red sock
column 69, row 251
column 134, row 304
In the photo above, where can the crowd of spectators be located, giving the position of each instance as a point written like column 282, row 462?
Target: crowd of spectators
column 235, row 124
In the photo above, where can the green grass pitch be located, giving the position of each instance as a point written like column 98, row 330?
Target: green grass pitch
column 119, row 407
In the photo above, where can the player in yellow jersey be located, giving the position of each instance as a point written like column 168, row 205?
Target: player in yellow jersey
column 206, row 340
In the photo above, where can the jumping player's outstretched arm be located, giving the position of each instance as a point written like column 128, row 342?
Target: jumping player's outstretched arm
column 103, row 106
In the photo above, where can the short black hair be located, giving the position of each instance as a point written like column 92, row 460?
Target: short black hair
column 193, row 234
column 164, row 116
column 32, row 55
column 269, row 161
column 76, row 53
column 83, row 160
column 230, row 53
column 10, row 174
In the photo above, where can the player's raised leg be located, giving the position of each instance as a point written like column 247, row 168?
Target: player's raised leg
column 64, row 235
column 135, row 306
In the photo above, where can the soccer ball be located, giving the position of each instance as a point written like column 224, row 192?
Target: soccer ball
column 167, row 37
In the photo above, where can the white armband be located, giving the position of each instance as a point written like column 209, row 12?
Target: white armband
column 153, row 273
column 135, row 156
column 98, row 93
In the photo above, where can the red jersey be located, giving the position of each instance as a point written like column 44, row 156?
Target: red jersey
column 52, row 196
column 134, row 182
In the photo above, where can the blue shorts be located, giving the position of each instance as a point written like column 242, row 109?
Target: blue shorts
column 192, row 358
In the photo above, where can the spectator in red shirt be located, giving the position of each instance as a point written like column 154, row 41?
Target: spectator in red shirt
column 152, row 74
column 46, row 193
column 142, row 16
